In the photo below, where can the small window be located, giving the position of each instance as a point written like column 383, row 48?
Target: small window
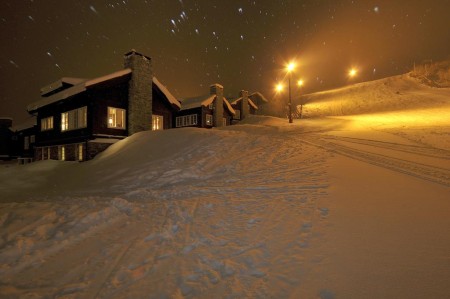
column 79, row 152
column 211, row 106
column 157, row 122
column 209, row 119
column 32, row 139
column 179, row 121
column 116, row 118
column 186, row 120
column 47, row 123
column 62, row 152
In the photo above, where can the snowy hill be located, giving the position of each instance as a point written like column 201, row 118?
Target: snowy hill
column 396, row 93
column 335, row 207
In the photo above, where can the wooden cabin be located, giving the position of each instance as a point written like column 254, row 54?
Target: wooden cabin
column 208, row 111
column 78, row 118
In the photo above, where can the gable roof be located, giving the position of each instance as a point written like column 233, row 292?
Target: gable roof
column 75, row 86
column 167, row 93
column 250, row 102
column 195, row 102
column 258, row 96
column 73, row 90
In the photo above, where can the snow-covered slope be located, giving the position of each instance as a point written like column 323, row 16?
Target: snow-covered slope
column 396, row 93
column 338, row 207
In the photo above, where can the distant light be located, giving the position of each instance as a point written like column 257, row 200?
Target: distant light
column 300, row 83
column 279, row 87
column 352, row 72
column 290, row 67
column 376, row 9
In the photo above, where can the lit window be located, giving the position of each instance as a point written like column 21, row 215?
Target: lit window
column 157, row 122
column 74, row 119
column 47, row 123
column 62, row 153
column 209, row 119
column 116, row 118
column 79, row 152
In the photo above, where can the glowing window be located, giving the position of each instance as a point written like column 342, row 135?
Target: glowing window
column 157, row 122
column 209, row 119
column 47, row 123
column 116, row 118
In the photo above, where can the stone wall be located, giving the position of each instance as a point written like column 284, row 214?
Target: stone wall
column 217, row 89
column 139, row 92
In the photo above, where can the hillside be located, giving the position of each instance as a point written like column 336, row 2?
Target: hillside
column 397, row 93
column 334, row 207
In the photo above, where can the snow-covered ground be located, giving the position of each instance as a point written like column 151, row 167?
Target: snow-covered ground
column 348, row 206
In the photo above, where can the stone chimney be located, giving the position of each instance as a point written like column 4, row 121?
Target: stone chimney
column 217, row 89
column 244, row 104
column 139, row 92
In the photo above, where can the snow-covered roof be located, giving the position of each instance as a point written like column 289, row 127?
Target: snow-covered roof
column 167, row 93
column 64, row 94
column 60, row 83
column 111, row 76
column 197, row 101
column 76, row 89
column 203, row 101
column 229, row 106
column 258, row 95
column 250, row 102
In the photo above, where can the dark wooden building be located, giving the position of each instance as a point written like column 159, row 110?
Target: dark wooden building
column 6, row 138
column 243, row 106
column 78, row 118
column 208, row 111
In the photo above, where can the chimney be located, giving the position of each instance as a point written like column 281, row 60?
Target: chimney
column 217, row 89
column 139, row 92
column 244, row 104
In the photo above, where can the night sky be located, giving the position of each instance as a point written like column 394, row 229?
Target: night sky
column 239, row 44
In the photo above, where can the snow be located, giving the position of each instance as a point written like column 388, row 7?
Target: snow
column 105, row 78
column 204, row 101
column 347, row 206
column 167, row 93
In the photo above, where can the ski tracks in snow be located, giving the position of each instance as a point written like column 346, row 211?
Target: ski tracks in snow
column 238, row 217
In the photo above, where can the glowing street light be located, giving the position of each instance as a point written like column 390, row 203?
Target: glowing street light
column 352, row 72
column 279, row 87
column 300, row 83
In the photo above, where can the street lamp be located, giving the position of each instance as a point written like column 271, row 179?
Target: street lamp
column 352, row 72
column 290, row 67
column 300, row 84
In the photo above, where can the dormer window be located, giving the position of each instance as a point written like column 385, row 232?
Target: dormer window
column 211, row 106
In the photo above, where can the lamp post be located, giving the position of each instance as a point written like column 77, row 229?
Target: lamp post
column 300, row 84
column 290, row 67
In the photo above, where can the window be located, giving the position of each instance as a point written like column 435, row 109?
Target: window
column 157, row 122
column 186, row 120
column 74, row 119
column 116, row 118
column 209, row 119
column 26, row 143
column 211, row 106
column 32, row 139
column 79, row 152
column 62, row 153
column 224, row 122
column 47, row 123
